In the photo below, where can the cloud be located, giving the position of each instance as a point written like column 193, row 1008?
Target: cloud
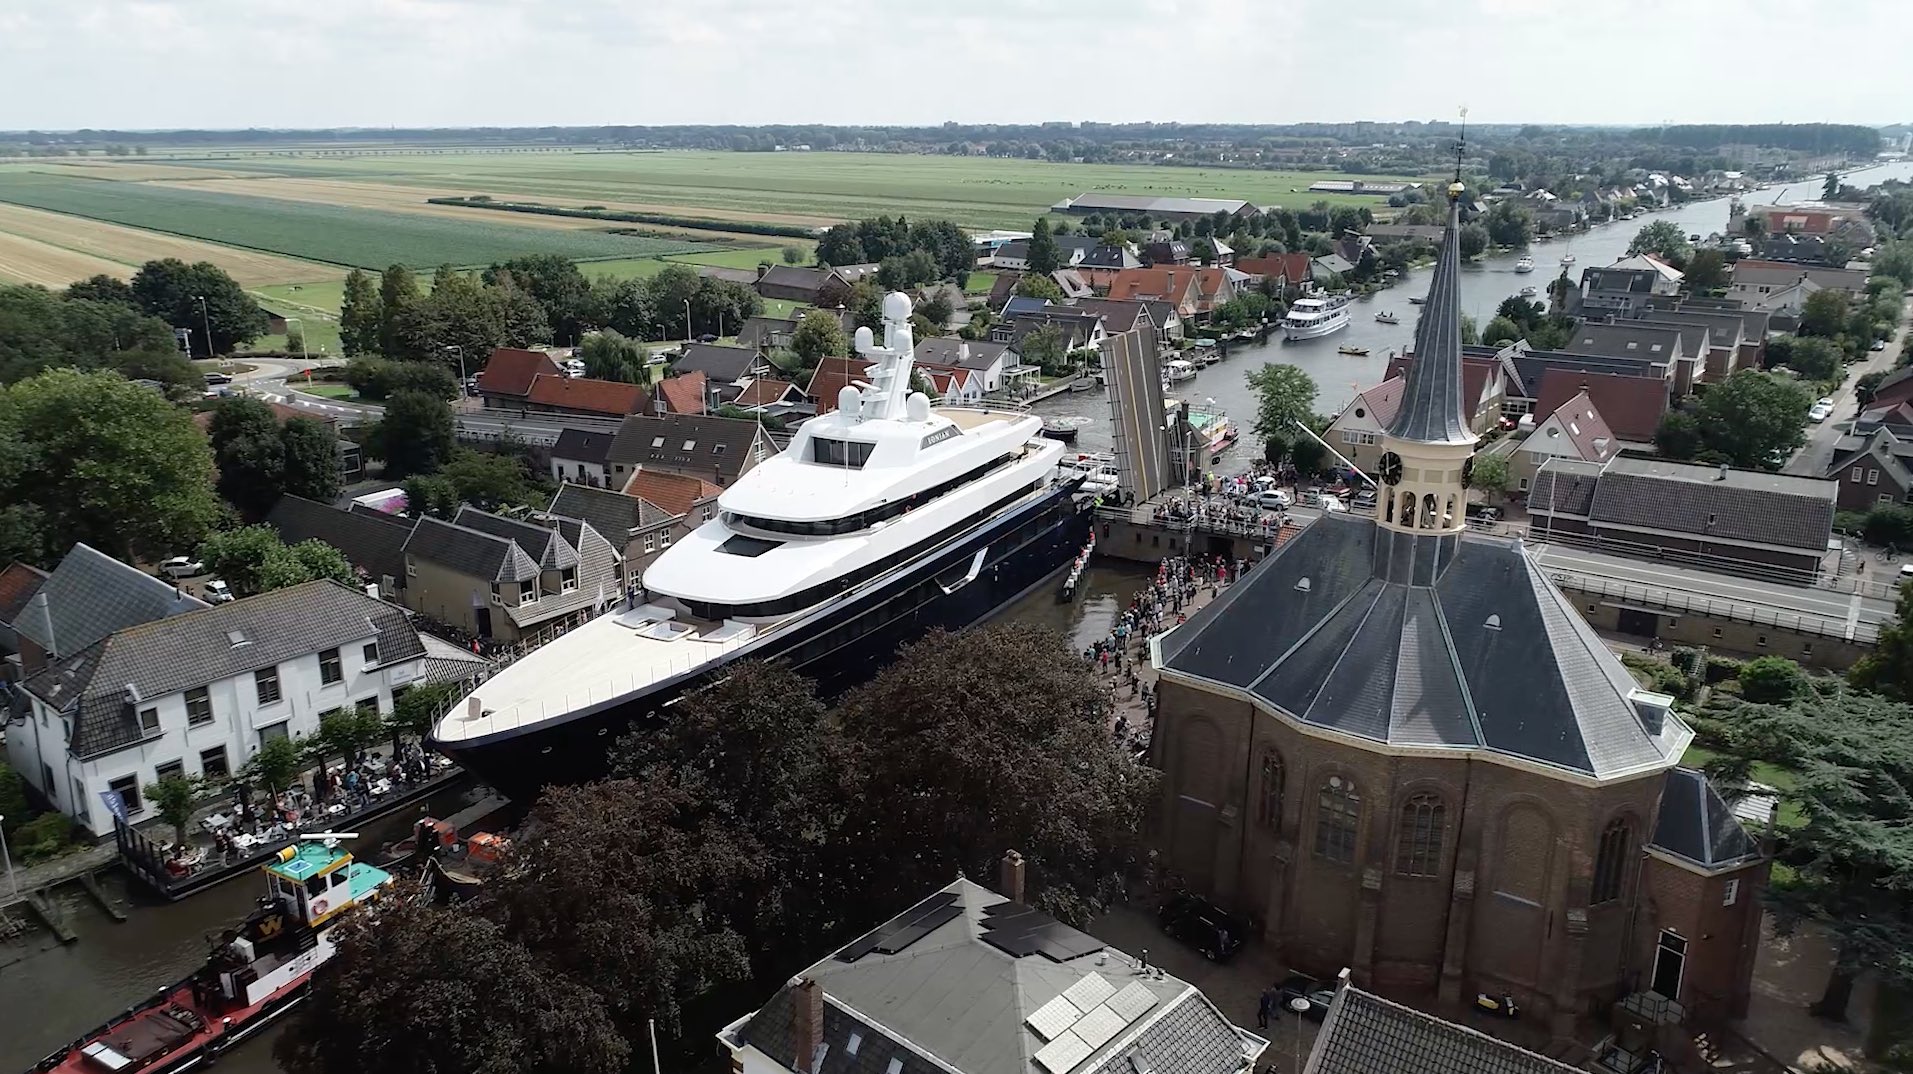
column 298, row 63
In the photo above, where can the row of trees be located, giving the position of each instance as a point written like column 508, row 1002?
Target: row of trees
column 260, row 459
column 755, row 830
column 40, row 330
column 883, row 240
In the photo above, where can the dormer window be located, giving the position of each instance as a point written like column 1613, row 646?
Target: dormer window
column 657, row 442
column 690, row 445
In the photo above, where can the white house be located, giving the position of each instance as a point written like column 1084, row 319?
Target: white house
column 1357, row 431
column 1667, row 278
column 986, row 359
column 1575, row 430
column 582, row 457
column 193, row 691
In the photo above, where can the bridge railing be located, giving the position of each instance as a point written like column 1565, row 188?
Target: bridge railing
column 1657, row 598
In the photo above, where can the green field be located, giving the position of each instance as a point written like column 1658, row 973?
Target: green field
column 816, row 188
column 339, row 235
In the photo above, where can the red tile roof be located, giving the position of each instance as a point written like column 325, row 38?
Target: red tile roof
column 586, row 395
column 1170, row 283
column 676, row 493
column 1631, row 406
column 763, row 391
column 510, row 371
column 1593, row 440
column 1294, row 267
column 833, row 375
column 683, row 394
column 18, row 583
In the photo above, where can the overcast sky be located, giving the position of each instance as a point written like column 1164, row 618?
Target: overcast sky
column 456, row 63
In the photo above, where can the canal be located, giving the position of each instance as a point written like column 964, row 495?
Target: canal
column 1485, row 283
column 51, row 994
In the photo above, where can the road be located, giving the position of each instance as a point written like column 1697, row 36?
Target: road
column 1816, row 454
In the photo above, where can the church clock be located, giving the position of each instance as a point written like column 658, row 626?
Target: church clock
column 1390, row 468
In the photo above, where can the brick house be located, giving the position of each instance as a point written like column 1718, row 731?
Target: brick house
column 508, row 375
column 1574, row 430
column 1357, row 431
column 1873, row 464
column 1400, row 749
column 585, row 397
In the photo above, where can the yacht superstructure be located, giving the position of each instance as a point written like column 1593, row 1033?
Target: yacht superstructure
column 879, row 521
column 1315, row 316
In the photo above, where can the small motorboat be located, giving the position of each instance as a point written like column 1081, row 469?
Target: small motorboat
column 1176, row 370
column 1524, row 264
column 1063, row 429
column 1083, row 384
column 1359, row 352
column 1387, row 318
column 1416, row 300
column 1529, row 292
column 1566, row 260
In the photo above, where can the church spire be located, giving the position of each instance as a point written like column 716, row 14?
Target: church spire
column 1431, row 408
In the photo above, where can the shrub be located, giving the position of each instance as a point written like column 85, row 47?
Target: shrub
column 1720, row 668
column 1771, row 680
column 1662, row 677
column 43, row 837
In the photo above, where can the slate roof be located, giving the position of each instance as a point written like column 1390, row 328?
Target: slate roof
column 676, row 493
column 1564, row 486
column 764, row 333
column 706, row 445
column 763, row 391
column 1110, row 257
column 614, row 514
column 1725, row 328
column 18, row 583
column 1697, row 824
column 1739, row 505
column 198, row 648
column 1432, row 409
column 372, row 541
column 721, row 363
column 794, row 277
column 470, row 552
column 1118, row 316
column 684, row 393
column 1626, row 281
column 1413, row 640
column 510, row 370
column 1160, row 312
column 976, row 354
column 610, row 398
column 596, row 561
column 583, row 445
column 952, row 1001
column 1366, row 1034
column 1627, row 339
column 90, row 595
column 1749, row 272
column 545, row 547
column 1475, row 374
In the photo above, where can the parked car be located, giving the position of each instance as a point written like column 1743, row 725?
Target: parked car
column 1203, row 925
column 1300, row 986
column 574, row 367
column 1330, row 505
column 218, row 378
column 216, row 592
column 471, row 385
column 182, row 567
column 1364, row 500
column 1820, row 411
column 1878, row 345
column 1312, row 498
column 1271, row 500
column 1481, row 512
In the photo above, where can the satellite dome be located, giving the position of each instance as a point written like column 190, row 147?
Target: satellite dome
column 896, row 306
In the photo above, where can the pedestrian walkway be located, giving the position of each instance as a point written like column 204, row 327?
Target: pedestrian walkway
column 46, row 874
column 1789, row 976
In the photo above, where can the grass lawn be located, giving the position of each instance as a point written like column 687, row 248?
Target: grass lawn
column 979, row 283
column 325, row 390
column 740, row 258
column 1777, row 778
column 784, row 307
column 322, row 340
column 623, row 268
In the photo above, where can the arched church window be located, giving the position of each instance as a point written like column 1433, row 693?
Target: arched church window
column 1611, row 862
column 1429, row 520
column 1418, row 848
column 1337, row 819
column 1269, row 799
column 1408, row 509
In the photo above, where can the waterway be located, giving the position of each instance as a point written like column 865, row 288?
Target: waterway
column 50, row 994
column 1485, row 283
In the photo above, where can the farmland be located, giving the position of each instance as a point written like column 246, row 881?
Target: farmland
column 339, row 235
column 57, row 243
column 815, row 188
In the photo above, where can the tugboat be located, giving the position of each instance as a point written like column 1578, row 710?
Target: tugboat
column 1063, row 429
column 257, row 970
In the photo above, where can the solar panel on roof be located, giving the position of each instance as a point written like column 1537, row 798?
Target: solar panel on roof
column 1099, row 1026
column 1063, row 943
column 1090, row 991
column 1061, row 1055
column 1052, row 1018
column 1132, row 1001
column 1014, row 944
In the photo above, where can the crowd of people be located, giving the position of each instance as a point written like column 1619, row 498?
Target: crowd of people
column 1164, row 603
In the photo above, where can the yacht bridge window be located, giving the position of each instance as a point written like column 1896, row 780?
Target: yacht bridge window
column 827, row 452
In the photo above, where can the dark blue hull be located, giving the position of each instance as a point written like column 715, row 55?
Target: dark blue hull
column 838, row 646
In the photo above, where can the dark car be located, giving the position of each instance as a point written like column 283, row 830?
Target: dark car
column 1483, row 513
column 213, row 379
column 1203, row 925
column 1299, row 986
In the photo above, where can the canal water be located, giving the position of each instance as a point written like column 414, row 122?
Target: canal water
column 50, row 994
column 1485, row 283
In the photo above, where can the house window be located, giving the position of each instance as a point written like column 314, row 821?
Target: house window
column 1611, row 862
column 329, row 669
column 568, row 579
column 1856, row 474
column 149, row 721
column 266, row 682
column 650, row 542
column 127, row 787
column 1761, row 640
column 1717, row 634
column 169, row 770
column 1730, row 892
column 212, row 763
column 527, row 593
column 199, row 707
column 1270, row 801
column 690, row 445
column 1418, row 852
column 410, row 570
column 498, row 595
column 718, row 450
column 370, row 653
column 274, row 733
column 656, row 443
column 1873, row 477
column 1807, row 649
column 664, row 538
column 367, row 704
column 1339, row 813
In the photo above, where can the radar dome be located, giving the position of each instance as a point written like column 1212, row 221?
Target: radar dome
column 896, row 306
column 917, row 407
column 864, row 340
column 850, row 401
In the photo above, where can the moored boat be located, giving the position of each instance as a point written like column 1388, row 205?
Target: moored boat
column 1359, row 352
column 1177, row 369
column 1317, row 315
column 258, row 970
column 1524, row 263
column 1387, row 318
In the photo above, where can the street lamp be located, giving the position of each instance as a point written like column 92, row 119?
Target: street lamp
column 687, row 322
column 305, row 349
column 12, row 882
column 206, row 321
column 462, row 394
column 1300, row 1005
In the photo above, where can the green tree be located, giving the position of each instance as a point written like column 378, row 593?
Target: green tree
column 902, row 272
column 1824, row 314
column 311, row 460
column 1285, row 397
column 1042, row 257
column 196, row 296
column 1888, row 669
column 1490, row 475
column 1811, row 357
column 1664, row 239
column 1866, row 386
column 557, row 287
column 1831, row 188
column 1203, row 251
column 173, row 799
column 819, row 335
column 448, row 991
column 13, row 798
column 1035, row 286
column 41, row 331
column 793, row 256
column 1501, row 330
column 360, row 315
column 1706, row 272
column 274, row 765
column 626, row 306
column 93, row 457
column 1772, row 680
column 1043, row 347
column 317, row 559
column 1678, row 435
column 1473, row 239
column 430, row 494
column 488, row 481
column 344, row 733
column 252, row 559
column 669, row 291
column 414, row 712
column 937, row 308
column 398, row 293
column 416, row 435
column 102, row 288
column 1508, row 223
column 1752, row 417
column 609, row 354
column 249, row 453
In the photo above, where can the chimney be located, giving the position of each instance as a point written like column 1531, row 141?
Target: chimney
column 1722, row 476
column 1010, row 877
column 807, row 1023
column 761, row 270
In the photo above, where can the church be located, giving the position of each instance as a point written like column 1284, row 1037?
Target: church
column 1398, row 748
